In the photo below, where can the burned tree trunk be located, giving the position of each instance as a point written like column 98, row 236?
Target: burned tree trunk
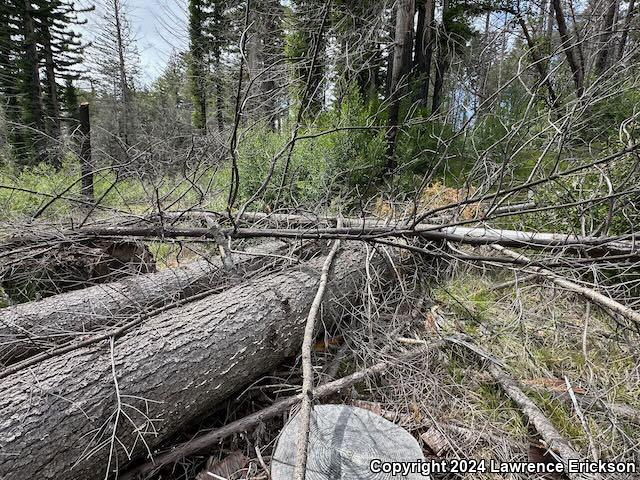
column 149, row 383
column 30, row 327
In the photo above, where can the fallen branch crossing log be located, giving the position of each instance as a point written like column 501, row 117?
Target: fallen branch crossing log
column 28, row 328
column 171, row 370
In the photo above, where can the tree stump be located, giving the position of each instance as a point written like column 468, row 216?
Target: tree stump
column 342, row 442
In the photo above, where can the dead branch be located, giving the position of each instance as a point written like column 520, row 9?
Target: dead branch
column 245, row 424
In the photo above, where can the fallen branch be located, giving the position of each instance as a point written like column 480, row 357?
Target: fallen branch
column 245, row 424
column 367, row 229
column 596, row 297
column 307, row 369
column 555, row 442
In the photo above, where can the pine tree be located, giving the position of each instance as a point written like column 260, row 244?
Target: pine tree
column 198, row 63
column 36, row 38
column 306, row 38
column 9, row 72
column 61, row 50
column 117, row 66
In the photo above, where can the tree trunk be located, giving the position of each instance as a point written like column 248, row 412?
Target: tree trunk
column 401, row 61
column 86, row 166
column 125, row 118
column 442, row 62
column 539, row 63
column 424, row 47
column 272, row 40
column 28, row 328
column 569, row 49
column 52, row 103
column 33, row 112
column 171, row 371
column 625, row 29
column 606, row 35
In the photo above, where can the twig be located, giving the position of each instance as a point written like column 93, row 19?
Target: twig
column 592, row 445
column 307, row 369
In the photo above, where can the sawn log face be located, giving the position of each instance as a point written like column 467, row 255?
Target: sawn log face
column 173, row 368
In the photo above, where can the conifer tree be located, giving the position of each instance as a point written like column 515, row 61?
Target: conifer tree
column 198, row 63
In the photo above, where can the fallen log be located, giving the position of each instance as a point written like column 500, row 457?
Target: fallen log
column 110, row 405
column 62, row 267
column 475, row 235
column 250, row 421
column 362, row 229
column 28, row 328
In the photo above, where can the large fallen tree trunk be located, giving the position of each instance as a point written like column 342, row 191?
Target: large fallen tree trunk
column 140, row 390
column 28, row 328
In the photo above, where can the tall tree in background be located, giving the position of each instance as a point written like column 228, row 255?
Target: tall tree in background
column 198, row 63
column 117, row 59
column 400, row 69
column 443, row 58
column 62, row 51
column 31, row 91
column 37, row 49
column 264, row 55
column 605, row 51
column 570, row 48
column 272, row 39
column 631, row 10
column 306, row 38
column 424, row 46
column 9, row 72
column 358, row 34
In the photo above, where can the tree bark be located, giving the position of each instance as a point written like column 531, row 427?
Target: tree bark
column 401, row 61
column 625, row 29
column 606, row 35
column 569, row 49
column 539, row 62
column 424, row 47
column 28, row 328
column 86, row 167
column 170, row 371
column 442, row 61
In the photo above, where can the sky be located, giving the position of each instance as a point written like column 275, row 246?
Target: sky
column 159, row 26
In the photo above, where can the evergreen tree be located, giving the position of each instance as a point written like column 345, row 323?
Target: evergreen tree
column 9, row 72
column 198, row 63
column 61, row 51
column 306, row 38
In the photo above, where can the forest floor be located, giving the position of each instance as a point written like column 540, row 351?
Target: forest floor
column 570, row 358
